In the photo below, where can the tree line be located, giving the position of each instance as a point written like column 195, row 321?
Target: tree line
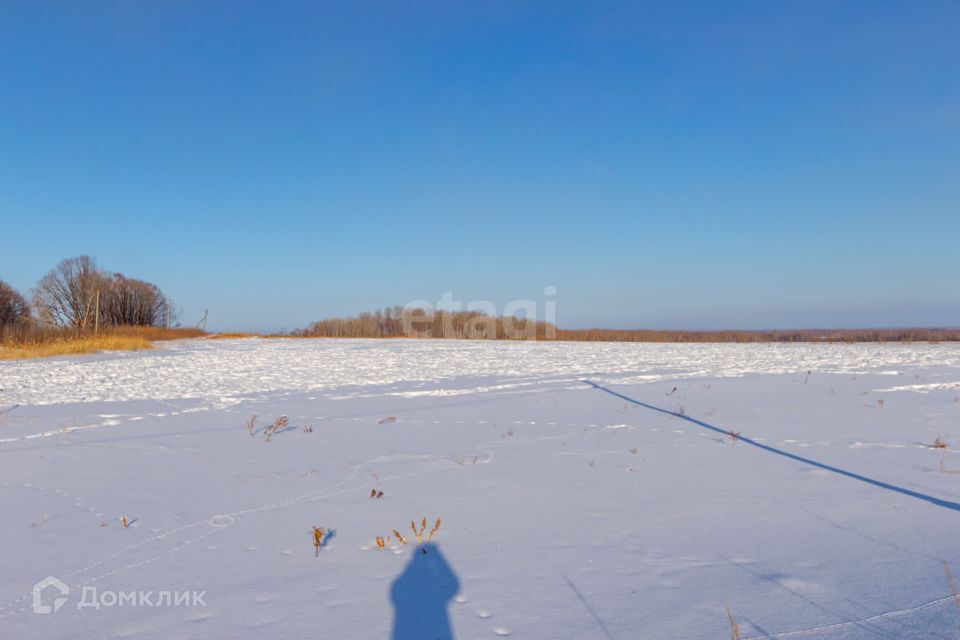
column 78, row 296
column 400, row 322
column 801, row 335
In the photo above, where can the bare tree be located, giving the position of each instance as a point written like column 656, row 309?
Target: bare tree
column 67, row 295
column 131, row 302
column 13, row 306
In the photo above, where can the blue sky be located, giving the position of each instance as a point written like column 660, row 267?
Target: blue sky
column 688, row 165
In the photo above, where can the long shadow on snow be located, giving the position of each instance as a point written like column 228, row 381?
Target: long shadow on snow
column 420, row 596
column 946, row 504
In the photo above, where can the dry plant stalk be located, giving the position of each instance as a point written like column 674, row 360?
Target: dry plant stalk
column 733, row 435
column 308, row 429
column 734, row 627
column 939, row 443
column 123, row 521
column 388, row 419
column 318, row 535
column 277, row 425
column 251, row 424
column 417, row 533
column 376, row 494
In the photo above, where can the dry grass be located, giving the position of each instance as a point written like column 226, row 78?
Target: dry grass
column 418, row 534
column 734, row 627
column 278, row 425
column 233, row 336
column 318, row 535
column 939, row 443
column 47, row 343
column 423, row 527
column 156, row 333
column 72, row 346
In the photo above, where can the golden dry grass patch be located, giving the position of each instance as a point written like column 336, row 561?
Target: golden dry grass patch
column 73, row 346
column 45, row 344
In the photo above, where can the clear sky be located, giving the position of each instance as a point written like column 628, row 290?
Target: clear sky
column 690, row 164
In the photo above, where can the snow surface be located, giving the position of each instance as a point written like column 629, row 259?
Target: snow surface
column 568, row 510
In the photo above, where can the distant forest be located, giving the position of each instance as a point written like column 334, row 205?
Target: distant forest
column 398, row 322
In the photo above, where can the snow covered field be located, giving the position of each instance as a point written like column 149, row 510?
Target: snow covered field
column 568, row 510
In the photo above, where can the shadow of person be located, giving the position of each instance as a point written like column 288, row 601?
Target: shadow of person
column 420, row 596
